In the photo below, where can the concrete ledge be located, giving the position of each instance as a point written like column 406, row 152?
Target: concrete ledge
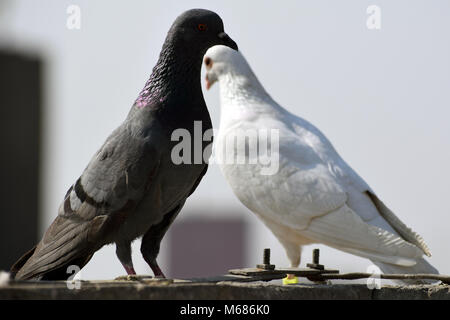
column 163, row 290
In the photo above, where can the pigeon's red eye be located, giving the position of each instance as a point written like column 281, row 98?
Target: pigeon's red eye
column 202, row 27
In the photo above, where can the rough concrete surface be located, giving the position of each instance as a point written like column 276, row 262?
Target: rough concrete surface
column 228, row 290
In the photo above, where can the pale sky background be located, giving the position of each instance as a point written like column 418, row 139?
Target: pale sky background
column 381, row 96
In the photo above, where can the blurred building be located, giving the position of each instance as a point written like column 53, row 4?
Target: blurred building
column 20, row 122
column 206, row 247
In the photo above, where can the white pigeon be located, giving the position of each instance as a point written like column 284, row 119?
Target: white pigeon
column 314, row 196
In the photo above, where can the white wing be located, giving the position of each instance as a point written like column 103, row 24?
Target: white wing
column 319, row 195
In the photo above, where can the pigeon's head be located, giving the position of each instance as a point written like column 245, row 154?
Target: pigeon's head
column 197, row 30
column 221, row 61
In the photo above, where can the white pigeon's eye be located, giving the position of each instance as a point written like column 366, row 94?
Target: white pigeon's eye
column 208, row 63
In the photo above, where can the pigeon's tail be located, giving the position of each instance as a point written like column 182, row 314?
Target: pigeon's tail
column 65, row 243
column 60, row 273
column 422, row 266
column 20, row 263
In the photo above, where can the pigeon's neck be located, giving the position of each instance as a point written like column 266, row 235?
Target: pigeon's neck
column 242, row 95
column 237, row 87
column 173, row 84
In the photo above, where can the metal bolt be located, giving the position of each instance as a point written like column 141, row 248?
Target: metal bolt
column 266, row 261
column 315, row 264
column 266, row 257
column 316, row 256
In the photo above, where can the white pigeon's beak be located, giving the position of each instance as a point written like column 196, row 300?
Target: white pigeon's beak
column 210, row 80
column 208, row 84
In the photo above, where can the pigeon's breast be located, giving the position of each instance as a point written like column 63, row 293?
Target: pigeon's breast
column 170, row 187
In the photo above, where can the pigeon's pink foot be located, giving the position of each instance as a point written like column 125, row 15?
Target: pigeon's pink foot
column 129, row 269
column 157, row 270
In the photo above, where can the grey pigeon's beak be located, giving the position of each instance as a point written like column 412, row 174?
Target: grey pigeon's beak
column 227, row 41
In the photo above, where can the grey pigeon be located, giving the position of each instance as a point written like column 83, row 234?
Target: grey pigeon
column 131, row 187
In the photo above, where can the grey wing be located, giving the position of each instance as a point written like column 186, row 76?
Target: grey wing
column 99, row 201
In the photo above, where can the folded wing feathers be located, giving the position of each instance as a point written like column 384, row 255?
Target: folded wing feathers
column 345, row 230
column 407, row 233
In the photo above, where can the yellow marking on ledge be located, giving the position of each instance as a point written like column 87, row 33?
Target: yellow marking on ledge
column 290, row 280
